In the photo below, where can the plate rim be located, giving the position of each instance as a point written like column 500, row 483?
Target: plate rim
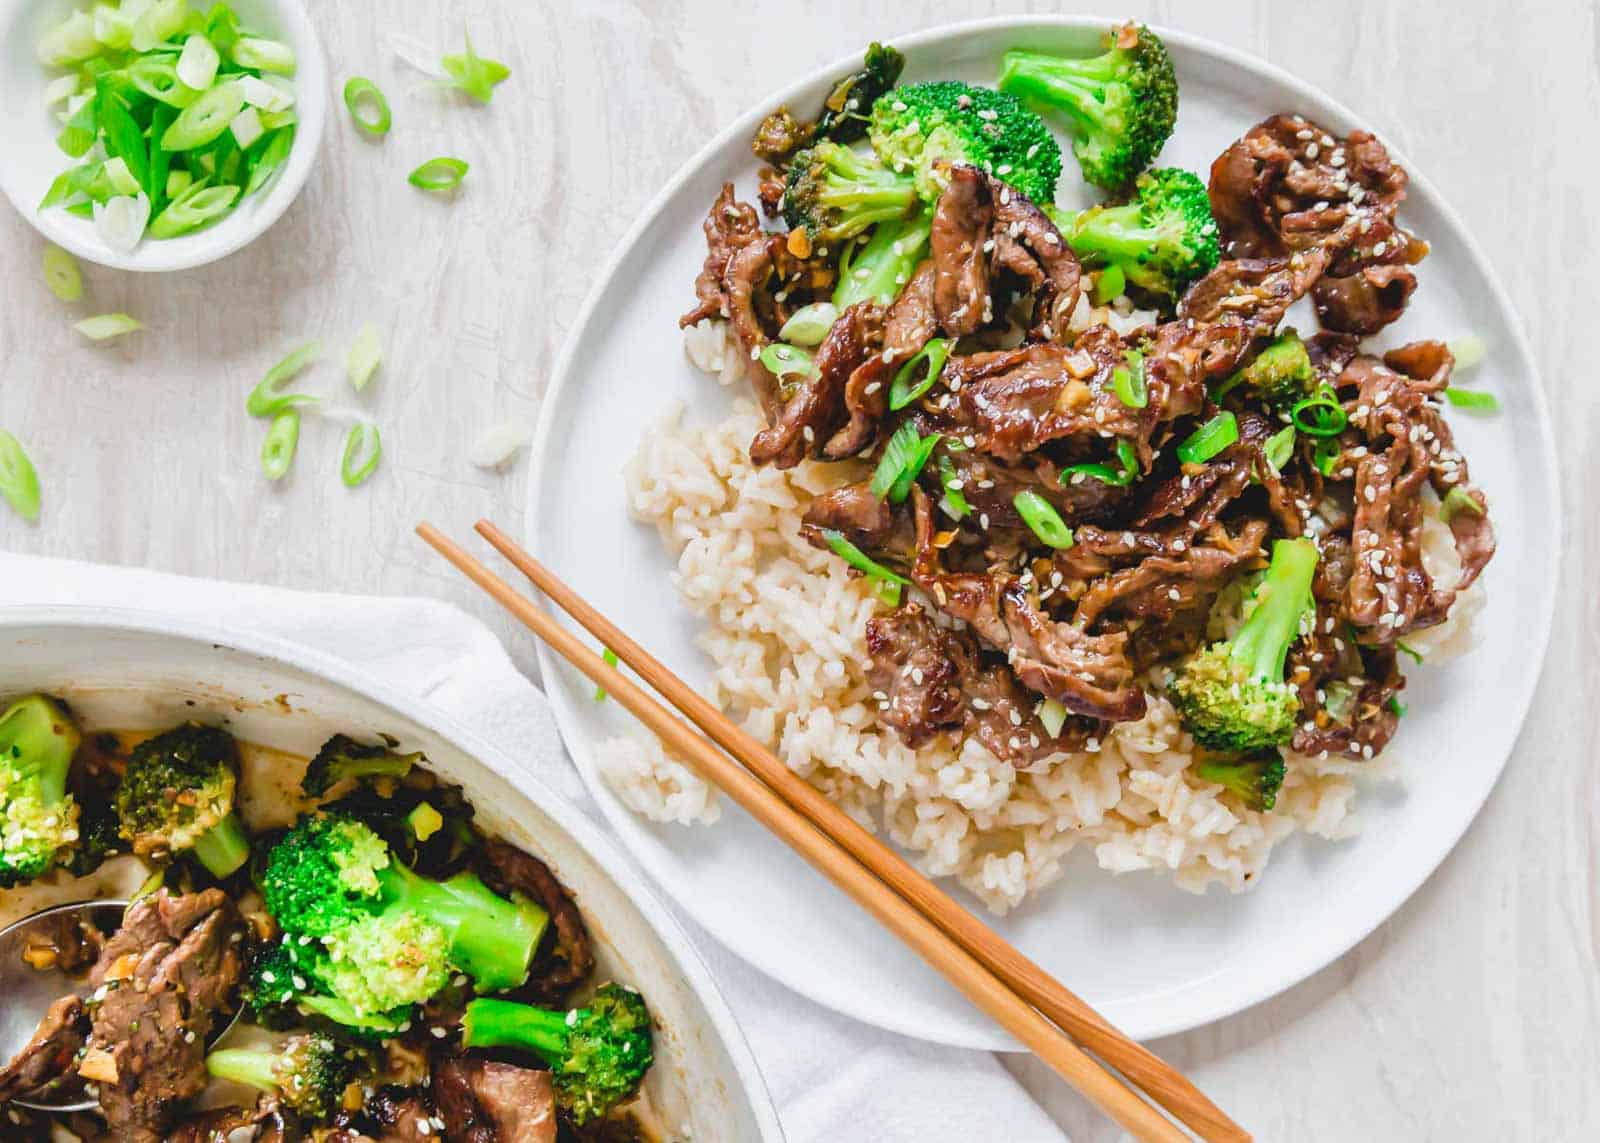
column 1197, row 1014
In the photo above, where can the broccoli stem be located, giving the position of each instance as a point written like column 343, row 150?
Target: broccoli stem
column 883, row 266
column 1075, row 87
column 1263, row 642
column 341, row 1012
column 255, row 1067
column 491, row 939
column 40, row 740
column 492, row 1023
column 224, row 847
column 1114, row 233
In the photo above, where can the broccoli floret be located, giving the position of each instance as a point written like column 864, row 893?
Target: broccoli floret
column 918, row 127
column 1254, row 779
column 283, row 986
column 881, row 266
column 38, row 818
column 1280, row 375
column 1120, row 106
column 343, row 757
column 835, row 193
column 1162, row 240
column 598, row 1055
column 176, row 796
column 1232, row 695
column 390, row 935
column 308, row 1072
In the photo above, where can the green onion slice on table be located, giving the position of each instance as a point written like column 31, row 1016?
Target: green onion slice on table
column 363, row 448
column 278, row 449
column 19, row 480
column 473, row 74
column 267, row 399
column 366, row 354
column 103, row 327
column 62, row 275
column 441, row 174
column 369, row 110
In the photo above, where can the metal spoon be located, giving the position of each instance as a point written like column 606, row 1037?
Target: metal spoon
column 30, row 991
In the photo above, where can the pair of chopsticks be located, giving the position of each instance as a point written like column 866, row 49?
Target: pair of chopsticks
column 1038, row 1010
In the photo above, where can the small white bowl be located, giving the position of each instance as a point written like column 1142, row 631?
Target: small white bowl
column 30, row 160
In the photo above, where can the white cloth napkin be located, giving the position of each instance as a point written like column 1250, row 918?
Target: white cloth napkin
column 832, row 1078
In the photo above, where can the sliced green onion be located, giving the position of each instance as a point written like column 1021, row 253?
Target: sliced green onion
column 124, row 141
column 222, row 27
column 1468, row 350
column 1320, row 415
column 70, row 42
column 271, row 159
column 1456, row 501
column 19, row 480
column 782, row 360
column 197, row 206
column 809, row 325
column 441, row 174
column 103, row 327
column 610, row 657
column 1472, row 399
column 265, row 400
column 1415, row 654
column 366, row 352
column 1325, row 455
column 122, row 180
column 157, row 77
column 178, row 182
column 62, row 275
column 277, row 451
column 474, row 75
column 59, row 88
column 1209, row 439
column 1279, row 448
column 954, row 501
column 198, row 63
column 1127, row 382
column 80, row 130
column 1121, row 477
column 903, row 459
column 363, row 448
column 259, row 54
column 368, row 108
column 246, row 127
column 903, row 390
column 862, row 562
column 1111, row 283
column 265, row 95
column 1397, row 707
column 158, row 23
column 1041, row 516
column 1053, row 716
column 205, row 119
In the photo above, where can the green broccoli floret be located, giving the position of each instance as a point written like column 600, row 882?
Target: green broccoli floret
column 1232, row 695
column 391, row 936
column 307, row 1072
column 835, row 193
column 1120, row 106
column 880, row 267
column 38, row 818
column 177, row 796
column 917, row 127
column 283, row 986
column 1162, row 240
column 598, row 1055
column 1254, row 779
column 1280, row 375
column 343, row 757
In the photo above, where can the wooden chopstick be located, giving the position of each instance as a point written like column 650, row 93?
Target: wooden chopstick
column 932, row 943
column 1142, row 1067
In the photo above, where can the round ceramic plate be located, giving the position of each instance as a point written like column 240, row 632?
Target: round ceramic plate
column 1152, row 958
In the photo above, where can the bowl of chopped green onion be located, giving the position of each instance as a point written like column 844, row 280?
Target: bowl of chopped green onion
column 157, row 134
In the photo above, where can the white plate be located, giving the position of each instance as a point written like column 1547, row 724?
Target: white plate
column 1152, row 958
column 142, row 670
column 30, row 159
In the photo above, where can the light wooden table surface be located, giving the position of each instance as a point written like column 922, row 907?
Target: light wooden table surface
column 1473, row 1015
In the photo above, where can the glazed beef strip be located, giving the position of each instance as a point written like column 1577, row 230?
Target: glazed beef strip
column 816, row 409
column 164, row 980
column 482, row 1101
column 907, row 327
column 729, row 227
column 45, row 1063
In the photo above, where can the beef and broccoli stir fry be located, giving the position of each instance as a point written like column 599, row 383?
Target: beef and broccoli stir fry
column 1085, row 427
column 379, row 969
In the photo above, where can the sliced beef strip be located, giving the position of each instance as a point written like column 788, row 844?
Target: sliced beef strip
column 47, row 1059
column 264, row 1123
column 963, row 222
column 816, row 409
column 907, row 327
column 729, row 227
column 1160, row 587
column 748, row 273
column 1088, row 674
column 565, row 962
column 990, row 486
column 401, row 1115
column 931, row 680
column 1031, row 249
column 168, row 976
column 482, row 1101
column 1322, row 663
column 1363, row 302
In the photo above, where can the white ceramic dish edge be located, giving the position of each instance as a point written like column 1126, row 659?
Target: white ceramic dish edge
column 1264, row 986
column 738, row 1085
